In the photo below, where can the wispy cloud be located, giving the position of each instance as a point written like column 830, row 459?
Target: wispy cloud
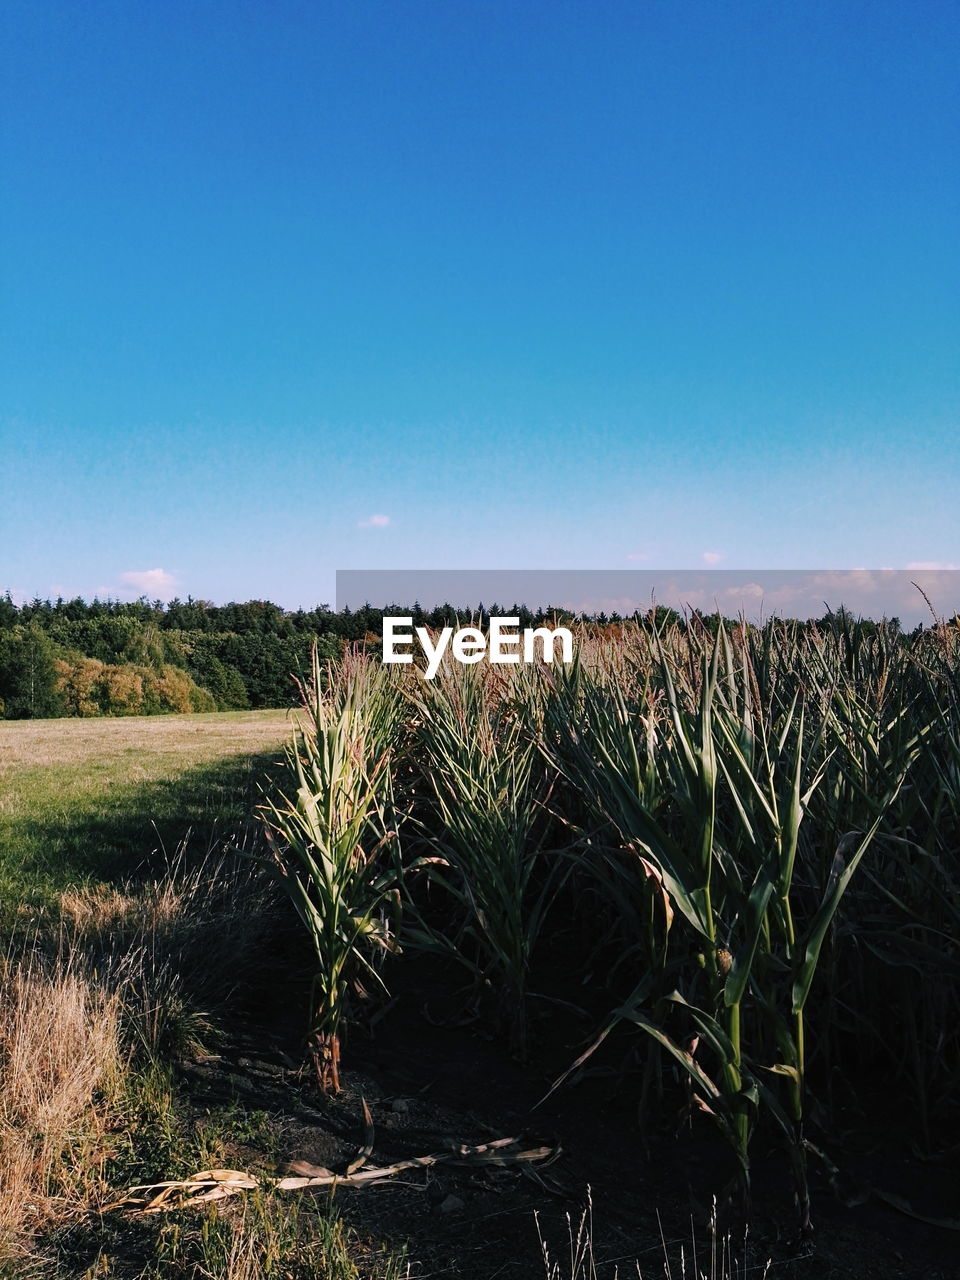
column 157, row 583
column 374, row 522
column 712, row 557
column 931, row 564
column 639, row 555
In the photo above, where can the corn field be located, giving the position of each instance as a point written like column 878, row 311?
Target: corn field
column 743, row 841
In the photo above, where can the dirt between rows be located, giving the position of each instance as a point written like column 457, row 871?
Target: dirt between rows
column 432, row 1085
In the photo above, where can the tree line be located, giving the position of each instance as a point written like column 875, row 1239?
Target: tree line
column 71, row 657
column 142, row 657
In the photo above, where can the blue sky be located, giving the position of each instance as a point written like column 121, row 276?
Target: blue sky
column 288, row 288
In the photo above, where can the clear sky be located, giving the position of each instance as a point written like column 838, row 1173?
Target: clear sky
column 292, row 287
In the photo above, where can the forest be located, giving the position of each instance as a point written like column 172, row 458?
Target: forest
column 116, row 658
column 73, row 658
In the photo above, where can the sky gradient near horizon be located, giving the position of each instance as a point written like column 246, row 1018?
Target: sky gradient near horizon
column 289, row 288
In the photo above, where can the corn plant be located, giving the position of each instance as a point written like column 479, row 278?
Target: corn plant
column 479, row 771
column 328, row 832
column 710, row 803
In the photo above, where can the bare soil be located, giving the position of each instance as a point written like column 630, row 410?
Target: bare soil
column 431, row 1083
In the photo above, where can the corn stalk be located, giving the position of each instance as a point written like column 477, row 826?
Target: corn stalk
column 484, row 804
column 329, row 831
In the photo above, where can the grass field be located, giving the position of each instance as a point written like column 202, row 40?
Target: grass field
column 87, row 799
column 124, row 924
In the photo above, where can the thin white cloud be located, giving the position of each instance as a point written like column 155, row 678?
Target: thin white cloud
column 931, row 564
column 157, row 583
column 749, row 590
column 639, row 555
column 374, row 522
column 712, row 557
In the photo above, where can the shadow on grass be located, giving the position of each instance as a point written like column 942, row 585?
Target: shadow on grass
column 129, row 832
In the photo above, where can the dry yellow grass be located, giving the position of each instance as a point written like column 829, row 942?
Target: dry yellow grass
column 86, row 1004
column 192, row 739
column 60, row 1060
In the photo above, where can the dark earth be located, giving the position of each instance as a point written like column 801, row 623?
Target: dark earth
column 431, row 1084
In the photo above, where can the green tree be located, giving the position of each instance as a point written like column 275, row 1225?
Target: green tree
column 28, row 674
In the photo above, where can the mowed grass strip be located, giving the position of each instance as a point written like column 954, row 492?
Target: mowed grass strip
column 83, row 800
